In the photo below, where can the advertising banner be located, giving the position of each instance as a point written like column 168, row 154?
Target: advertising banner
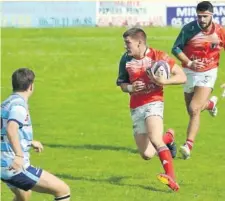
column 130, row 13
column 48, row 14
column 180, row 15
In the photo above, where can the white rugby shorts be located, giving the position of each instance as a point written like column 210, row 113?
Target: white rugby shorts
column 199, row 79
column 139, row 115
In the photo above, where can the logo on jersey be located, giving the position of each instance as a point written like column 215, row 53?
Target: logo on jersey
column 214, row 45
column 205, row 60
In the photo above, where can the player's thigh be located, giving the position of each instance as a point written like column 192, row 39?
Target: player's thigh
column 48, row 183
column 21, row 195
column 204, row 84
column 206, row 79
column 154, row 122
column 144, row 145
column 188, row 86
column 154, row 125
column 138, row 120
column 200, row 98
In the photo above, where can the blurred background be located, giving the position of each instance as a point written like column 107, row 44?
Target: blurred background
column 47, row 14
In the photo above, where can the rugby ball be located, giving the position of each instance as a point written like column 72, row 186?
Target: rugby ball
column 160, row 68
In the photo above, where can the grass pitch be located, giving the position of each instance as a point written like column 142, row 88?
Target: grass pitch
column 83, row 119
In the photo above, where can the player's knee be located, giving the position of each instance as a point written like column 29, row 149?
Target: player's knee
column 194, row 110
column 147, row 156
column 25, row 196
column 21, row 199
column 157, row 142
column 65, row 197
column 64, row 190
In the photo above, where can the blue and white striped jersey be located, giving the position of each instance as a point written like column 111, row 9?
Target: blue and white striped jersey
column 15, row 108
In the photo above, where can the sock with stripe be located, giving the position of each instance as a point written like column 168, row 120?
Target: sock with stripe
column 166, row 160
column 168, row 138
column 189, row 143
column 210, row 105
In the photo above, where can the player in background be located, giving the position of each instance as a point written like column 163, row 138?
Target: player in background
column 198, row 48
column 146, row 99
column 16, row 140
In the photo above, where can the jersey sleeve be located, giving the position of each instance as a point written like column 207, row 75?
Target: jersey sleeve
column 179, row 43
column 123, row 76
column 187, row 32
column 18, row 114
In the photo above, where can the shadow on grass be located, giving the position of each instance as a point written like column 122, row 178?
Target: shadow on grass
column 95, row 147
column 114, row 180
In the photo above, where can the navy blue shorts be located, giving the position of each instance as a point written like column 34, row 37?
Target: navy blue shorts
column 26, row 179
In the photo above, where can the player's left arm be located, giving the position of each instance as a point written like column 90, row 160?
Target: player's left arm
column 37, row 146
column 177, row 76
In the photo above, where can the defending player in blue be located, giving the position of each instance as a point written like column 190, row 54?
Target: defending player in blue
column 16, row 140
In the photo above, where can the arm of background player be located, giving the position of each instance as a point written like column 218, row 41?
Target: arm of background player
column 17, row 116
column 123, row 77
column 178, row 47
column 223, row 37
column 178, row 76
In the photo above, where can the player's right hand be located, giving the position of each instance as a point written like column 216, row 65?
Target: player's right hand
column 197, row 64
column 223, row 86
column 138, row 86
column 17, row 164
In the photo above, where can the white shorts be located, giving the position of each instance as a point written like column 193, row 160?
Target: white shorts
column 139, row 115
column 200, row 79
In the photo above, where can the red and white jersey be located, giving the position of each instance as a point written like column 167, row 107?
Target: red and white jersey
column 199, row 45
column 132, row 70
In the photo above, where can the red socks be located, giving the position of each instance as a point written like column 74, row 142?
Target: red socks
column 166, row 160
column 210, row 105
column 189, row 143
column 168, row 138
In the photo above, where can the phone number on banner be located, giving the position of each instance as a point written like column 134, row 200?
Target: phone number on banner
column 180, row 15
column 180, row 21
